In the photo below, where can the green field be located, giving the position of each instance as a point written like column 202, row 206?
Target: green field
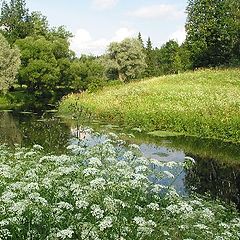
column 203, row 103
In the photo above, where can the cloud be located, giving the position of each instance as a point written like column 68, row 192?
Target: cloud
column 104, row 4
column 83, row 42
column 158, row 11
column 123, row 33
column 179, row 35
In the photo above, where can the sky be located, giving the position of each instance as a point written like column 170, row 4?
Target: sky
column 96, row 23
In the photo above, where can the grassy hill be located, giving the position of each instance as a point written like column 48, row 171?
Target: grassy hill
column 204, row 103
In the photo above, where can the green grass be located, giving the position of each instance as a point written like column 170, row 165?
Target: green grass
column 204, row 103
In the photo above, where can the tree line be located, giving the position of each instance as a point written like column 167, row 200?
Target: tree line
column 37, row 57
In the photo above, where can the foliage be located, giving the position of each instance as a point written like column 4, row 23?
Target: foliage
column 151, row 68
column 140, row 39
column 39, row 70
column 168, row 58
column 87, row 73
column 126, row 59
column 203, row 103
column 98, row 192
column 18, row 23
column 9, row 64
column 212, row 31
column 15, row 20
column 45, row 64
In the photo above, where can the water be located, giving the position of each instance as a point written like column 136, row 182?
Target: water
column 217, row 168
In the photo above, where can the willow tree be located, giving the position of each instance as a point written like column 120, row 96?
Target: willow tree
column 126, row 59
column 9, row 64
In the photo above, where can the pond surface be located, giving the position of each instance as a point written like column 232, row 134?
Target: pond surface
column 217, row 168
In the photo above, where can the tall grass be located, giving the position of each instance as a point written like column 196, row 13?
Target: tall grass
column 204, row 103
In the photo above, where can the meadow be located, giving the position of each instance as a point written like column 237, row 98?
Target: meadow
column 106, row 191
column 204, row 103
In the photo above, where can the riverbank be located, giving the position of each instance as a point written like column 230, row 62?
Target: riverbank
column 15, row 100
column 204, row 103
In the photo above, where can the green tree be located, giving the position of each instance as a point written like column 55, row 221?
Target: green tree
column 211, row 31
column 40, row 70
column 15, row 20
column 150, row 59
column 9, row 64
column 87, row 73
column 140, row 39
column 39, row 25
column 168, row 58
column 126, row 59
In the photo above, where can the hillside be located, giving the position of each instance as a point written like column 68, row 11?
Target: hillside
column 204, row 103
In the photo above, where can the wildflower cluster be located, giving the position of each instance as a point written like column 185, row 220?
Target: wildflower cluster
column 101, row 192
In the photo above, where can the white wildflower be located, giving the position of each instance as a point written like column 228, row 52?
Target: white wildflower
column 81, row 204
column 30, row 154
column 105, row 223
column 37, row 147
column 90, row 171
column 65, row 205
column 134, row 146
column 98, row 183
column 141, row 168
column 66, row 233
column 153, row 206
column 95, row 162
column 97, row 212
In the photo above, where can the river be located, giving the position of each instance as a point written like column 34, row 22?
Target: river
column 216, row 171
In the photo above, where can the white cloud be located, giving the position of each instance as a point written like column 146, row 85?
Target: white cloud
column 83, row 42
column 123, row 33
column 104, row 4
column 179, row 35
column 158, row 11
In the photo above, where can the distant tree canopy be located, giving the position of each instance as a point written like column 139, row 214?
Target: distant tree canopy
column 9, row 64
column 87, row 73
column 168, row 58
column 45, row 55
column 49, row 66
column 213, row 32
column 17, row 22
column 126, row 59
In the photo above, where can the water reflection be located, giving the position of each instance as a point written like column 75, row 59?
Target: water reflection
column 218, row 180
column 28, row 129
column 217, row 168
column 9, row 129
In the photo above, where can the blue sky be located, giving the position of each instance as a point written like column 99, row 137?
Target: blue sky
column 95, row 23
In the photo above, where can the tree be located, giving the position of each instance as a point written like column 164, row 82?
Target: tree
column 140, row 39
column 9, row 64
column 39, row 70
column 87, row 73
column 39, row 25
column 15, row 20
column 126, row 59
column 17, row 23
column 168, row 58
column 150, row 59
column 211, row 31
